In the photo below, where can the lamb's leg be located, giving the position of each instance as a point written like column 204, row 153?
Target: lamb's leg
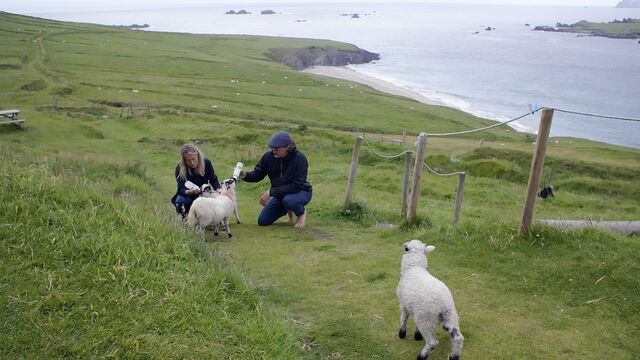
column 456, row 344
column 417, row 335
column 216, row 229
column 226, row 223
column 428, row 348
column 456, row 339
column 235, row 212
column 404, row 317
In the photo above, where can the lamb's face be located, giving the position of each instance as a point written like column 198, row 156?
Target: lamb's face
column 229, row 189
column 415, row 254
column 229, row 183
column 206, row 190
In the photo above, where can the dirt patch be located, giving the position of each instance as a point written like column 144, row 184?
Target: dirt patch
column 319, row 234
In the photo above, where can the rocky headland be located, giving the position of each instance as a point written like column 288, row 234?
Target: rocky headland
column 616, row 29
column 302, row 58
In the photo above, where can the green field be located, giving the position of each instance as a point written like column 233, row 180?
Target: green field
column 96, row 264
column 629, row 29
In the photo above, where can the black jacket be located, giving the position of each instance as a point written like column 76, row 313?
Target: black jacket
column 288, row 175
column 208, row 177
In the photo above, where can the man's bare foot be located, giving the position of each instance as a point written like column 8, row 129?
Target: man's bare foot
column 301, row 221
column 290, row 215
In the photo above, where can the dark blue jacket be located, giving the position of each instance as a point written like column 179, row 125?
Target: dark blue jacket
column 208, row 177
column 288, row 175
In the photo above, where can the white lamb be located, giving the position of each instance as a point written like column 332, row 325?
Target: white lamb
column 213, row 209
column 428, row 300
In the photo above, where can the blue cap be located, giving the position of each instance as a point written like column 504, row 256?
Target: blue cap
column 280, row 139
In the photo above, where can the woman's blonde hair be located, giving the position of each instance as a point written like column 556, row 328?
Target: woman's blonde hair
column 184, row 169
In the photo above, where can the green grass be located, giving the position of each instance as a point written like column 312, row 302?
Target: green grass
column 96, row 265
column 609, row 28
column 616, row 29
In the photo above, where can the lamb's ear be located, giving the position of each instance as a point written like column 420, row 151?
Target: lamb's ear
column 429, row 249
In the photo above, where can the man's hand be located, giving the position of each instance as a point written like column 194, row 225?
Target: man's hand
column 264, row 199
column 243, row 174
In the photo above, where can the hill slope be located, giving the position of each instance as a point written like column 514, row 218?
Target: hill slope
column 107, row 110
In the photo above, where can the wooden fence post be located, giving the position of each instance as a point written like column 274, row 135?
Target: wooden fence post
column 456, row 215
column 417, row 175
column 405, row 183
column 404, row 137
column 352, row 173
column 536, row 169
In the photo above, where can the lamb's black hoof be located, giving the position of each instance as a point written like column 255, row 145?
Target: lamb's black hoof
column 422, row 358
column 417, row 335
column 230, row 235
column 238, row 221
column 216, row 234
column 402, row 333
column 455, row 357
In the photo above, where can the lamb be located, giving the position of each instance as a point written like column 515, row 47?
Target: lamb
column 427, row 299
column 232, row 183
column 213, row 209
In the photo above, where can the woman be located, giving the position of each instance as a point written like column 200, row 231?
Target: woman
column 290, row 191
column 193, row 167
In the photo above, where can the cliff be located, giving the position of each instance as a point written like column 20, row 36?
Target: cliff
column 301, row 58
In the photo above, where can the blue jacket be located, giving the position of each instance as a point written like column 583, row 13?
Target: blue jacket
column 208, row 177
column 288, row 175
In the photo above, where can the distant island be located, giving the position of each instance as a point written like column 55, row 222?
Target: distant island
column 629, row 4
column 241, row 12
column 616, row 29
column 133, row 26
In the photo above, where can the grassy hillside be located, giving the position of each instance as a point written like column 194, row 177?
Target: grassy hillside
column 97, row 265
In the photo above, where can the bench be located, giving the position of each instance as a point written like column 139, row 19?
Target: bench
column 12, row 115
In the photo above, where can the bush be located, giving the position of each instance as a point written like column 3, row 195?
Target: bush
column 35, row 85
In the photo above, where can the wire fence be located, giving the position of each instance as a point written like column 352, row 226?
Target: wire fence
column 382, row 155
column 597, row 115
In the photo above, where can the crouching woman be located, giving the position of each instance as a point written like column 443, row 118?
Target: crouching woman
column 197, row 169
column 290, row 191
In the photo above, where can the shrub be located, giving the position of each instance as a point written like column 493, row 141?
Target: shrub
column 35, row 85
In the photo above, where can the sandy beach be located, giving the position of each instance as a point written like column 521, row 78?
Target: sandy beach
column 344, row 73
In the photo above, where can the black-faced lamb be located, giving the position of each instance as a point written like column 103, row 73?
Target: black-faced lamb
column 428, row 300
column 213, row 209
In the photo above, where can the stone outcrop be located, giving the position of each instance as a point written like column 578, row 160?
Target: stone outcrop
column 233, row 12
column 301, row 58
column 267, row 12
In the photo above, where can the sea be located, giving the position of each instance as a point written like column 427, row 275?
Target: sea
column 482, row 59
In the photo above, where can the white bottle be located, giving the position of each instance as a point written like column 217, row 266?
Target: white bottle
column 237, row 170
column 189, row 185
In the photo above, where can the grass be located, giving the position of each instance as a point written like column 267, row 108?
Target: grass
column 609, row 28
column 97, row 265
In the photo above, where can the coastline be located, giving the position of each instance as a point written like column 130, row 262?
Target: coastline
column 345, row 73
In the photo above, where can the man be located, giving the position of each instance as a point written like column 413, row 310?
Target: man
column 290, row 191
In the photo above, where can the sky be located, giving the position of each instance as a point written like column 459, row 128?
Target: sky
column 46, row 5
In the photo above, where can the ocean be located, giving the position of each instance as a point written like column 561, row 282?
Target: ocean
column 445, row 52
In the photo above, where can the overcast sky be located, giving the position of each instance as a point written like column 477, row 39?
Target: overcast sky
column 46, row 5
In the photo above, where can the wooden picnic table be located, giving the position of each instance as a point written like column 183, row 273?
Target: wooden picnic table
column 12, row 115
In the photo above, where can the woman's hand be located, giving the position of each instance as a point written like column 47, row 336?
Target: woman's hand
column 264, row 199
column 243, row 174
column 193, row 191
